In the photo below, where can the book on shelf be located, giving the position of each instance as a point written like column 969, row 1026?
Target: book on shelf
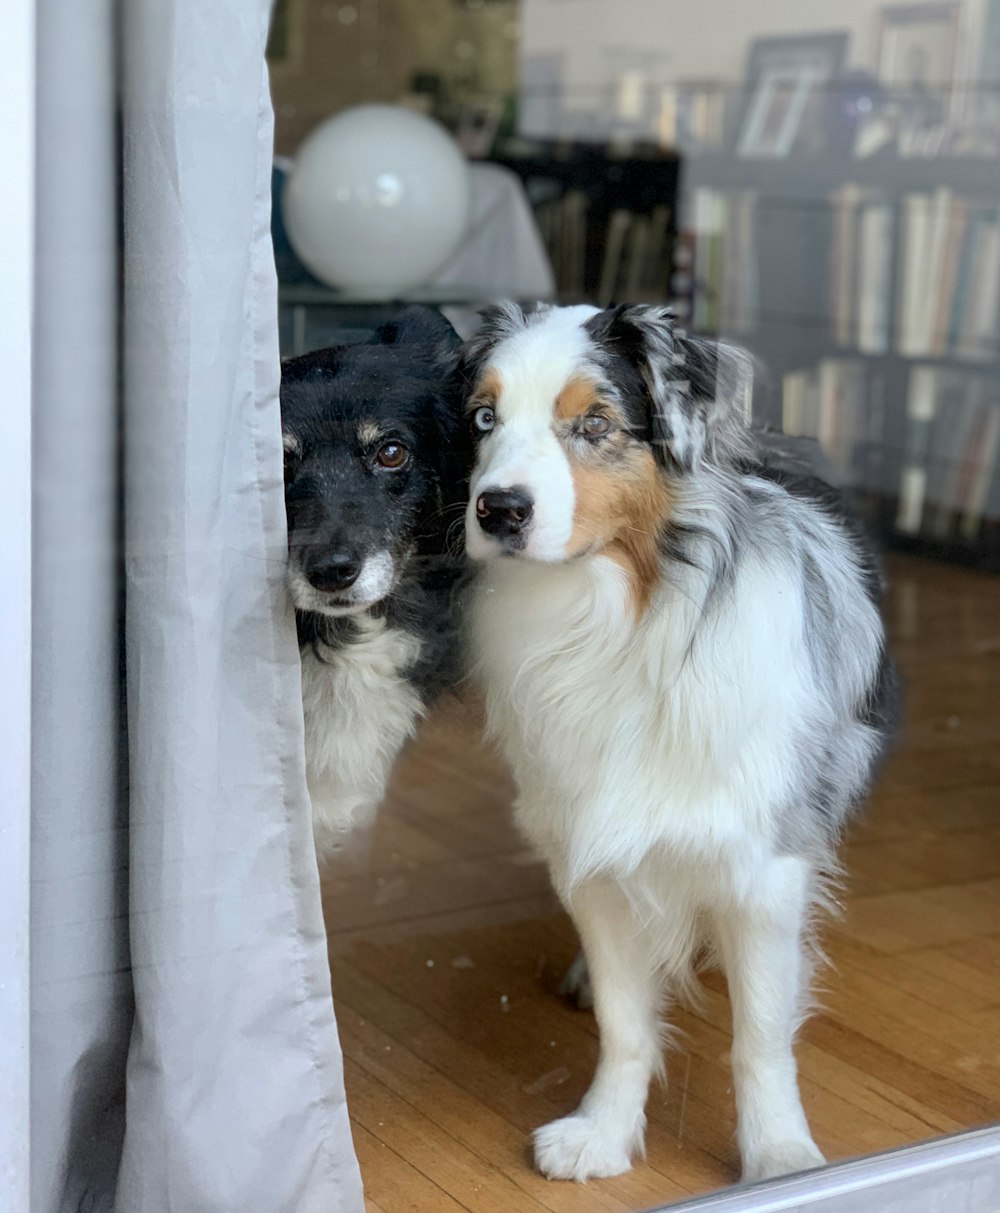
column 951, row 449
column 692, row 116
column 948, row 277
column 572, row 245
column 860, row 279
column 637, row 262
column 828, row 402
column 976, row 505
column 921, row 402
column 725, row 273
column 947, row 478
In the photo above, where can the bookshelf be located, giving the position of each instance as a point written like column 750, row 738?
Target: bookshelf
column 606, row 214
column 869, row 292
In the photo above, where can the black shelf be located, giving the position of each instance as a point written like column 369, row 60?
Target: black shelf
column 777, row 350
column 984, row 556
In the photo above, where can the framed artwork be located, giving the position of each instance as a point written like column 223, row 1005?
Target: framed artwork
column 784, row 92
column 977, row 72
column 917, row 49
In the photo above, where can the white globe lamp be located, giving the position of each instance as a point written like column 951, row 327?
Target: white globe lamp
column 377, row 201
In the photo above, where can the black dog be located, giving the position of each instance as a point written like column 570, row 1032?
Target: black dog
column 374, row 491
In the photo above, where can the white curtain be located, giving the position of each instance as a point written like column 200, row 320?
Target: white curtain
column 184, row 1055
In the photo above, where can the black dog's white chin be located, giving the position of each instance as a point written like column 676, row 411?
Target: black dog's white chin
column 376, row 582
column 331, row 605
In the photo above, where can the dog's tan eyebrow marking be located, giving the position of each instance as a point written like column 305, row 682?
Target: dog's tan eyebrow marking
column 487, row 393
column 578, row 397
column 369, row 432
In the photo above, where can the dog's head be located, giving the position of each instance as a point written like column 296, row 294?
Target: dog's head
column 368, row 433
column 586, row 422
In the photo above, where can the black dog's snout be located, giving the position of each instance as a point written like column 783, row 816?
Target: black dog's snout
column 503, row 512
column 333, row 571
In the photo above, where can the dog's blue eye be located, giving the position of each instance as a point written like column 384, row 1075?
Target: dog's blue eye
column 484, row 419
column 596, row 426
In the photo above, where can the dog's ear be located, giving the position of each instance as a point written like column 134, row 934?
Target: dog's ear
column 699, row 390
column 499, row 320
column 418, row 325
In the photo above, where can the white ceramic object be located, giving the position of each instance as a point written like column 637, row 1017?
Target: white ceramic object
column 377, row 201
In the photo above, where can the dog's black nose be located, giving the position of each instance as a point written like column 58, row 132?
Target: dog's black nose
column 333, row 571
column 504, row 511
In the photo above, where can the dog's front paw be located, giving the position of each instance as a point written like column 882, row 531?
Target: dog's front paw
column 781, row 1158
column 578, row 1147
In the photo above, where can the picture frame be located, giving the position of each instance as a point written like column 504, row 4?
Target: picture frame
column 783, row 95
column 976, row 101
column 916, row 60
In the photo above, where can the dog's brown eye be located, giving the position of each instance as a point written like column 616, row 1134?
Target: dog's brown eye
column 392, row 455
column 596, row 427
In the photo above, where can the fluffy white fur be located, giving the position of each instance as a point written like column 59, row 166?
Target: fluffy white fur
column 660, row 763
column 359, row 710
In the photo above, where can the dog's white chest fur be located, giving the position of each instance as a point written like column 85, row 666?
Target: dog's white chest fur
column 626, row 741
column 359, row 710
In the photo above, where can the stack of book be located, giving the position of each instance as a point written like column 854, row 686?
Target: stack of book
column 861, row 251
column 638, row 259
column 562, row 225
column 692, row 117
column 949, row 483
column 726, row 284
column 942, row 469
column 948, row 277
column 841, row 405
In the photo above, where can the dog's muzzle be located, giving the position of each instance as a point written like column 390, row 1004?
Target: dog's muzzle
column 340, row 581
column 332, row 572
column 504, row 514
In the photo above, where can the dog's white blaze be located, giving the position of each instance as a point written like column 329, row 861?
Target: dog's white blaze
column 523, row 451
column 359, row 710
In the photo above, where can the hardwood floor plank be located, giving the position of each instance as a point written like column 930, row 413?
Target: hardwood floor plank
column 435, row 1153
column 392, row 1183
column 939, row 917
column 469, row 1121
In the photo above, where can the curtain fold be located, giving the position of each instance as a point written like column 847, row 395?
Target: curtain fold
column 235, row 1096
column 81, row 1001
column 184, row 1053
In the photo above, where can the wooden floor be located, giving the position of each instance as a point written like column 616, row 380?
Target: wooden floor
column 447, row 947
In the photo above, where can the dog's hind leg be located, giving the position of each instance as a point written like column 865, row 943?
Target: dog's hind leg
column 763, row 948
column 607, row 1129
